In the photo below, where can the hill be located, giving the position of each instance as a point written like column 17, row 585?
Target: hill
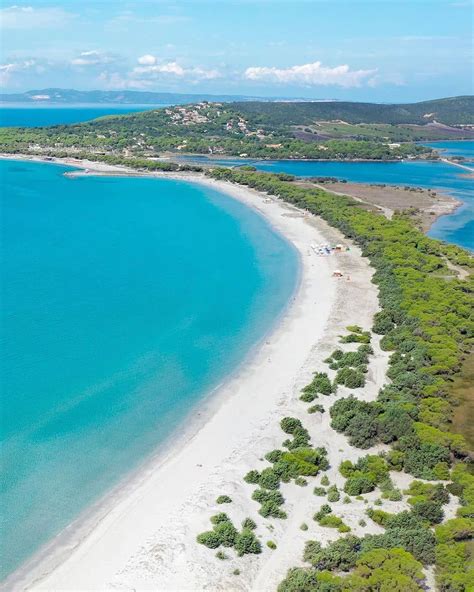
column 255, row 129
column 120, row 97
column 450, row 111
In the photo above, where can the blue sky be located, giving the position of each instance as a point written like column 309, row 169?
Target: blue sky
column 380, row 50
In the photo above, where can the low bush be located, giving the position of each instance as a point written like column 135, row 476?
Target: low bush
column 350, row 377
column 429, row 510
column 333, row 494
column 247, row 543
column 249, row 524
column 340, row 555
column 223, row 499
column 271, row 545
column 209, row 539
column 321, row 384
column 252, row 477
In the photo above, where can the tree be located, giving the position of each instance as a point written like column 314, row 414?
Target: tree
column 386, row 570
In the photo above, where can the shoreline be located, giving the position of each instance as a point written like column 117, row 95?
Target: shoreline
column 232, row 418
column 93, row 168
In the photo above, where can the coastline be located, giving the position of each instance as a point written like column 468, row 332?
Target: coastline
column 234, row 431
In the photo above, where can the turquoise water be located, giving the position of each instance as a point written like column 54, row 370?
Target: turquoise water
column 124, row 301
column 457, row 228
column 28, row 116
column 455, row 148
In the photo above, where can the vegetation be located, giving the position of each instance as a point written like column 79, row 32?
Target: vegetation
column 324, row 517
column 450, row 111
column 393, row 570
column 200, row 128
column 320, row 384
column 426, row 322
column 223, row 499
column 224, row 533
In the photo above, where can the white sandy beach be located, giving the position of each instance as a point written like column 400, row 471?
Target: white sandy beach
column 143, row 537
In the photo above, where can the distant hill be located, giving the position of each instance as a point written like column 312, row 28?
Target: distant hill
column 259, row 130
column 125, row 97
column 450, row 111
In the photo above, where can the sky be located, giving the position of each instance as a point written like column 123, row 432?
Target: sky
column 377, row 50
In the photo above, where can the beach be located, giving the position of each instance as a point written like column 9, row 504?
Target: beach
column 142, row 536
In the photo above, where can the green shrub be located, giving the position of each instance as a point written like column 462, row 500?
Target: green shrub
column 323, row 511
column 209, row 539
column 319, row 491
column 333, row 494
column 249, row 524
column 332, row 521
column 350, row 377
column 247, row 543
column 252, row 477
column 218, row 518
column 321, row 384
column 379, row 516
column 340, row 555
column 290, row 424
column 430, row 511
column 316, row 409
column 226, row 532
column 325, row 480
column 224, row 499
column 221, row 555
column 358, row 485
column 271, row 545
column 274, row 456
column 269, row 479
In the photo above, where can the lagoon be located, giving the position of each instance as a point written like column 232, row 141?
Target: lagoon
column 457, row 228
column 124, row 302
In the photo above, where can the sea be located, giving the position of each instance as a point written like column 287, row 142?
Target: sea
column 24, row 115
column 125, row 302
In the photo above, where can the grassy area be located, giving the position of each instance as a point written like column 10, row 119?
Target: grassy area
column 387, row 132
column 463, row 390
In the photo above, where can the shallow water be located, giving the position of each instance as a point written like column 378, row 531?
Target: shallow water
column 124, row 301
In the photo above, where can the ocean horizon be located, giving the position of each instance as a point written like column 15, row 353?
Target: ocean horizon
column 125, row 302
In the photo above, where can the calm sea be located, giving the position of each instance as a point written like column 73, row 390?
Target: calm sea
column 457, row 228
column 28, row 116
column 124, row 301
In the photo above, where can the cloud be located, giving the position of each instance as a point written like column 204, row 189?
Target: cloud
column 147, row 60
column 314, row 74
column 27, row 17
column 151, row 68
column 7, row 70
column 117, row 81
column 92, row 58
column 128, row 18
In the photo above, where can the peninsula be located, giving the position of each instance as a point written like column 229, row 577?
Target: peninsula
column 347, row 460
